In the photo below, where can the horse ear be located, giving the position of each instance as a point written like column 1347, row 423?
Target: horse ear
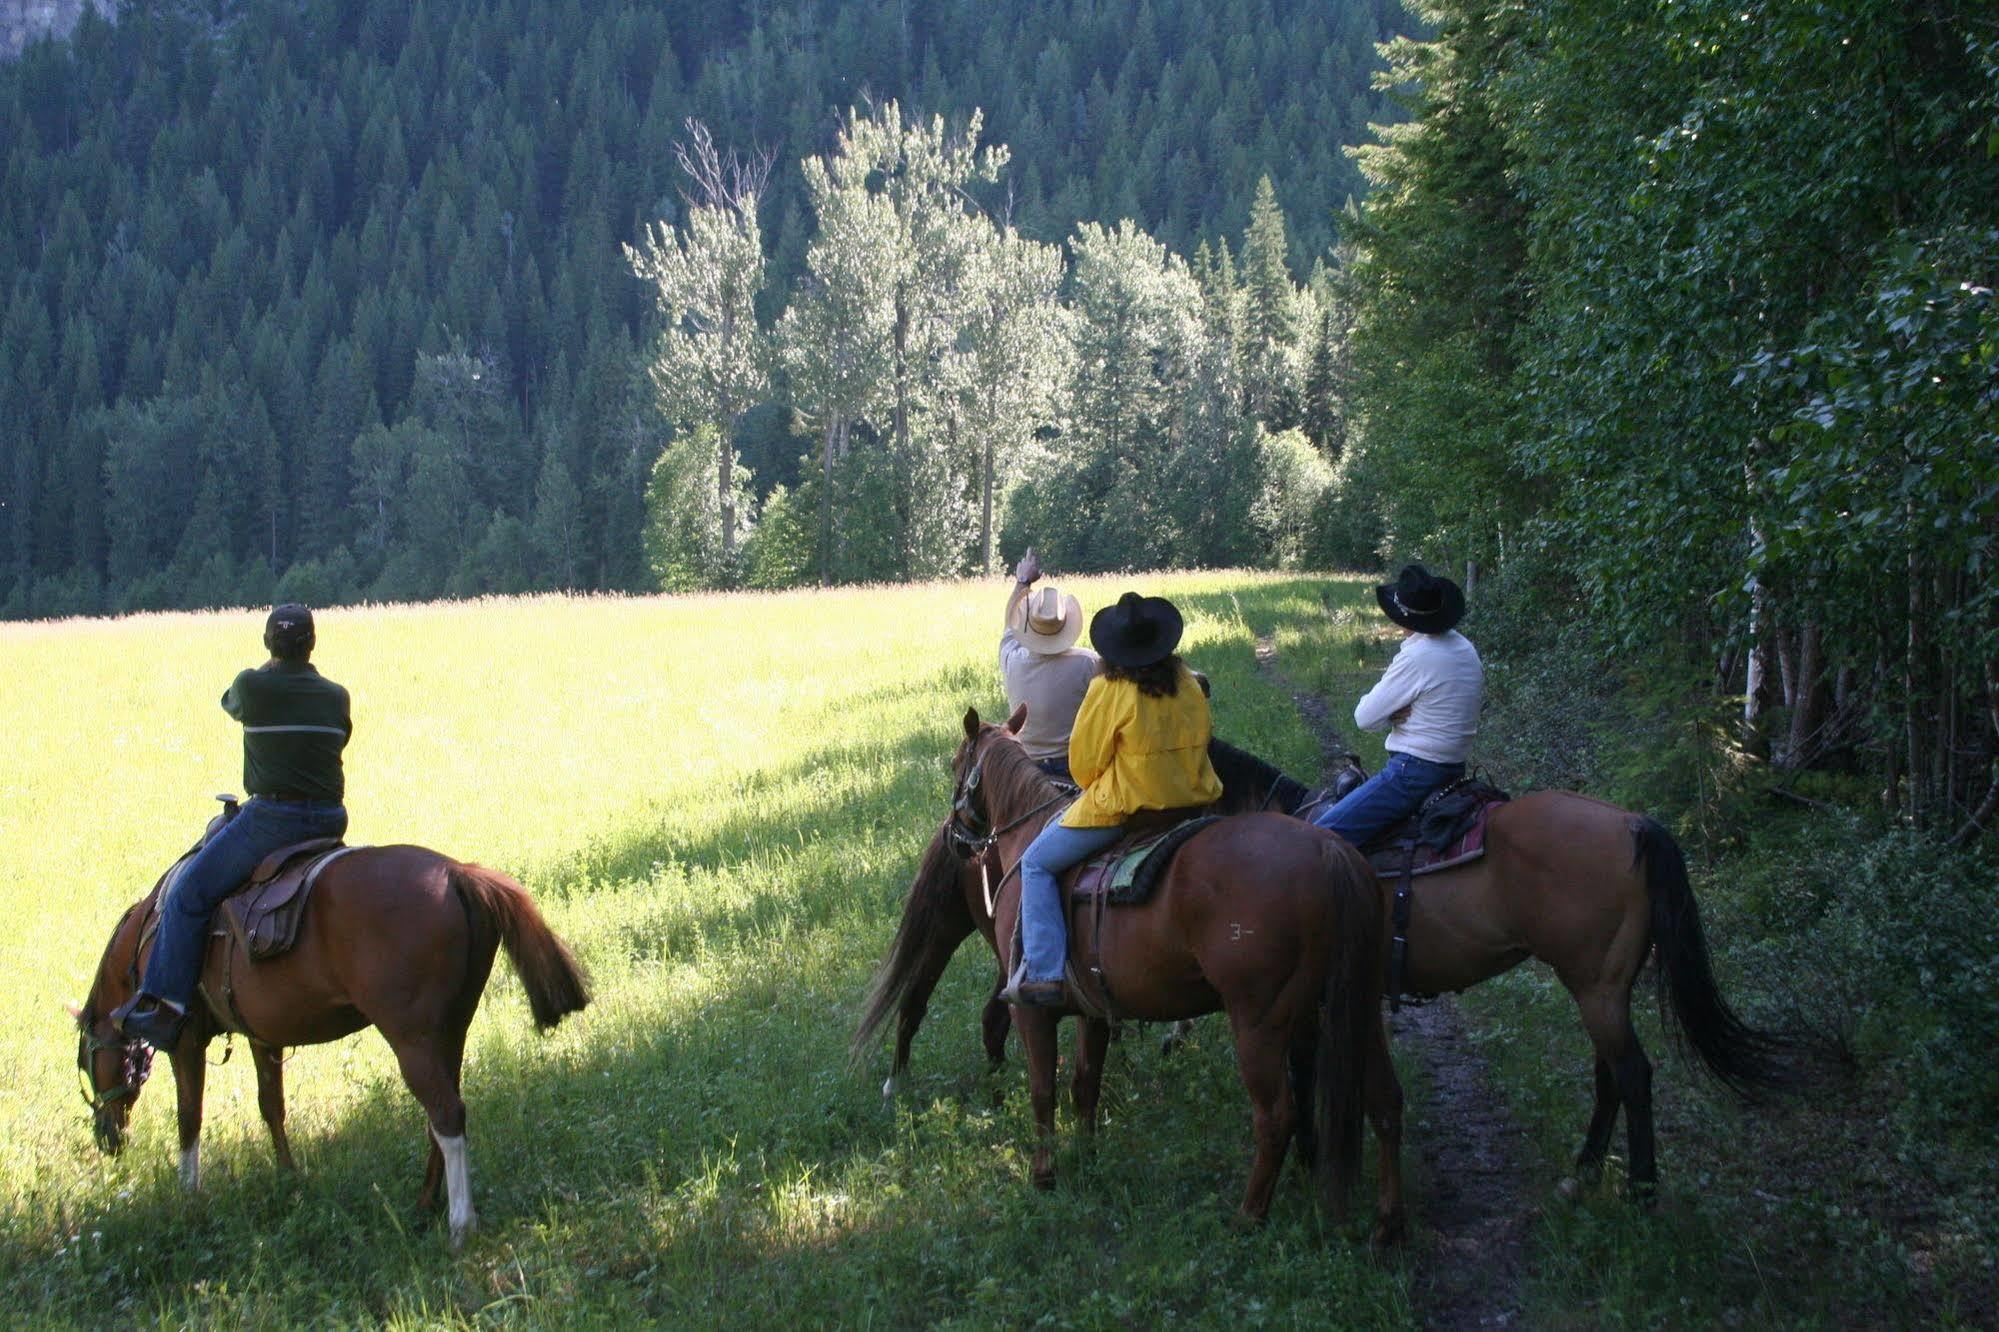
column 1017, row 720
column 75, row 1011
column 971, row 723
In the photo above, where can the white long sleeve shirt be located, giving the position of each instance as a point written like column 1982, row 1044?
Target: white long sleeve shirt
column 1439, row 678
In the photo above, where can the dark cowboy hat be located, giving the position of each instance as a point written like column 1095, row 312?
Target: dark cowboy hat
column 1137, row 631
column 1420, row 600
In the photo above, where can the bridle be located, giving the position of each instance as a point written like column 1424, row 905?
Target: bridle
column 972, row 832
column 135, row 1065
column 135, row 1062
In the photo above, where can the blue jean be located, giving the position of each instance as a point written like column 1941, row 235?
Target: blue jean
column 217, row 870
column 1388, row 797
column 1044, row 918
column 1058, row 768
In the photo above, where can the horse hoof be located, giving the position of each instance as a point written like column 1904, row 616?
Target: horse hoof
column 1244, row 1223
column 1570, row 1189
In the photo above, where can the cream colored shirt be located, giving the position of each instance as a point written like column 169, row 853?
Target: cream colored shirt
column 1052, row 685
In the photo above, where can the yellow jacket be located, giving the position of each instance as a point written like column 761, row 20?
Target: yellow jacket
column 1130, row 751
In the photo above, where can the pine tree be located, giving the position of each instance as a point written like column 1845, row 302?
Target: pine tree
column 1270, row 322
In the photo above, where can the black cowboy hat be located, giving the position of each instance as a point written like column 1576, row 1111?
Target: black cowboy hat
column 1137, row 631
column 1420, row 600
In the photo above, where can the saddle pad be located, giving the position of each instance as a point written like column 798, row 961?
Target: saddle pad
column 264, row 917
column 1128, row 872
column 1392, row 858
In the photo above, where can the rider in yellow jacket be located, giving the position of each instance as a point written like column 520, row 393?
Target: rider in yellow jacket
column 1140, row 742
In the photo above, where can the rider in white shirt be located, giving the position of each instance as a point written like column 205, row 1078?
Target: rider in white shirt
column 1427, row 700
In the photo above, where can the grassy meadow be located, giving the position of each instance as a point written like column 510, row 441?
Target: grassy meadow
column 718, row 801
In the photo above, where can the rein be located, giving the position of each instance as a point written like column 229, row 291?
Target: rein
column 972, row 844
column 969, row 840
column 135, row 1063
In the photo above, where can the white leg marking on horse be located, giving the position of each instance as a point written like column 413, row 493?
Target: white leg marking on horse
column 457, row 1186
column 888, row 1087
column 190, row 1167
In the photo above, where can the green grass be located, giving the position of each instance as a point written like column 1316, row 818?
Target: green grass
column 718, row 801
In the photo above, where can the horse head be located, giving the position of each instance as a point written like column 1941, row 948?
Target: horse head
column 971, row 824
column 112, row 1069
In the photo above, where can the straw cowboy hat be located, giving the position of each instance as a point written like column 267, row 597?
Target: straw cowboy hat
column 1048, row 621
column 1137, row 631
column 1420, row 600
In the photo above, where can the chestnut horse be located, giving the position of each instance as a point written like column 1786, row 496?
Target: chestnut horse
column 1588, row 888
column 395, row 937
column 1272, row 921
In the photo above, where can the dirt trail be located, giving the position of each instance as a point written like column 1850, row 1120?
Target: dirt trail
column 1471, row 1198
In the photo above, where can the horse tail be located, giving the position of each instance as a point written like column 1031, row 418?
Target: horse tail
column 1743, row 1059
column 934, row 905
column 555, row 983
column 1349, row 1006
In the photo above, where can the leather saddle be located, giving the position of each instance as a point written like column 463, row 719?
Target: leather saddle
column 264, row 913
column 1126, row 874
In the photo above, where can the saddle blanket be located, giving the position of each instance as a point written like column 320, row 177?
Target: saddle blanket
column 1402, row 850
column 1129, row 871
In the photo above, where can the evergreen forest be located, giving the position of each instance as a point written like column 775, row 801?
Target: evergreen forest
column 340, row 301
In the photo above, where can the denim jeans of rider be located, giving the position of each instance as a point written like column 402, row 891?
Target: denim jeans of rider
column 1044, row 923
column 217, row 870
column 1388, row 797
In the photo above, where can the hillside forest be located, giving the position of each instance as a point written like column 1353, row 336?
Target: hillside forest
column 336, row 298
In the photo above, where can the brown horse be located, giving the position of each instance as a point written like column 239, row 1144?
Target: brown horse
column 1593, row 891
column 1588, row 888
column 1275, row 923
column 395, row 937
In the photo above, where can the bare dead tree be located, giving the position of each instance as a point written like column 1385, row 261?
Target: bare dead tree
column 721, row 180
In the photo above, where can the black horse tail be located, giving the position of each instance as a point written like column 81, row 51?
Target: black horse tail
column 1348, row 1008
column 555, row 983
column 1746, row 1061
column 934, row 906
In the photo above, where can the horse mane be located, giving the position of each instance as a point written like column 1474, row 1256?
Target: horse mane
column 1013, row 781
column 86, row 1013
column 1243, row 772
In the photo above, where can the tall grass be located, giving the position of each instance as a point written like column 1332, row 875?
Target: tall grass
column 718, row 801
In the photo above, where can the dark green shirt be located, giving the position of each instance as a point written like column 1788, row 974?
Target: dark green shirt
column 295, row 724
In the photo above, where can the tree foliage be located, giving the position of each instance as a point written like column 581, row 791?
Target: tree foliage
column 1697, row 298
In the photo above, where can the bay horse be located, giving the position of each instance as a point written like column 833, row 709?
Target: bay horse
column 395, row 937
column 1591, row 889
column 1274, row 922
